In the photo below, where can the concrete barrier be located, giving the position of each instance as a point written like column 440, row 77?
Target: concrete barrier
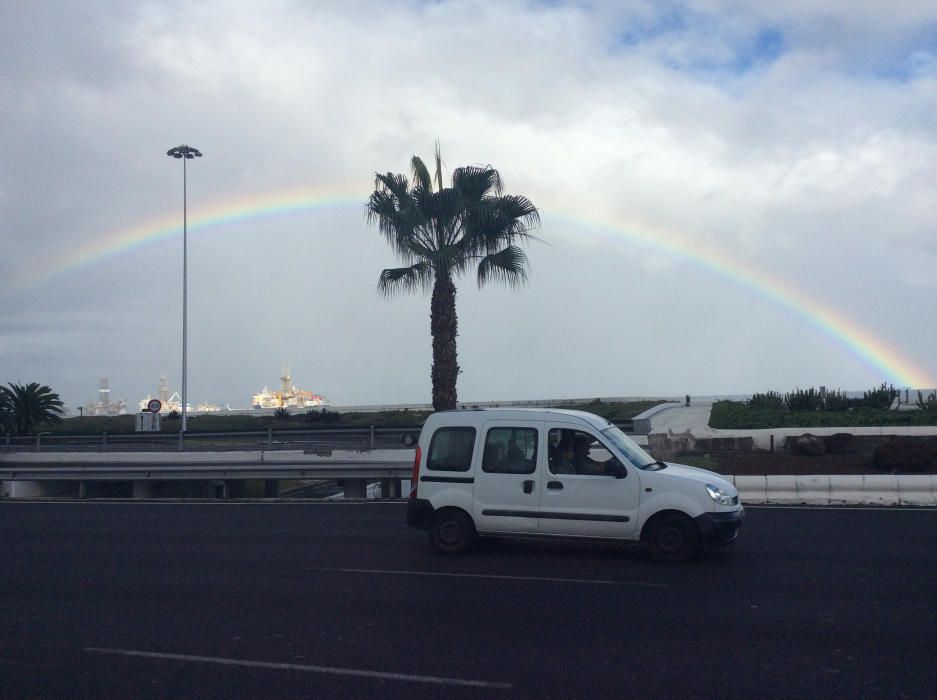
column 813, row 490
column 918, row 490
column 881, row 489
column 752, row 489
column 848, row 489
column 781, row 488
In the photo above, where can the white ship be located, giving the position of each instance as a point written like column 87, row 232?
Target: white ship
column 288, row 396
column 171, row 402
column 104, row 406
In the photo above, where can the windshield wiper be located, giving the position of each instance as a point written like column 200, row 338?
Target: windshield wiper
column 657, row 463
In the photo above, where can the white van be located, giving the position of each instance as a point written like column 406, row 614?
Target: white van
column 558, row 473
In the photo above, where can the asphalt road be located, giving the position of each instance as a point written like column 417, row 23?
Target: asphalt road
column 343, row 600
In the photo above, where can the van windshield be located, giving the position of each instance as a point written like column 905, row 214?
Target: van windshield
column 630, row 449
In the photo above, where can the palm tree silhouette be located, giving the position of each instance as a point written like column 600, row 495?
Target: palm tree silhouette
column 29, row 405
column 439, row 233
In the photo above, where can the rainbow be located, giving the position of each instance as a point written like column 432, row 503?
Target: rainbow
column 228, row 211
column 856, row 340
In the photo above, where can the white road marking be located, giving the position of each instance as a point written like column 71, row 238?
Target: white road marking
column 547, row 579
column 222, row 661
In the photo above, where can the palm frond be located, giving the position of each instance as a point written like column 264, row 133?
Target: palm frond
column 519, row 208
column 396, row 184
column 444, row 205
column 508, row 266
column 476, row 182
column 439, row 184
column 499, row 221
column 405, row 279
column 421, row 176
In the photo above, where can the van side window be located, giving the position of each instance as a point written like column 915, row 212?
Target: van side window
column 451, row 450
column 574, row 452
column 510, row 451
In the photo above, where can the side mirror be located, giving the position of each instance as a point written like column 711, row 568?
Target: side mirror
column 616, row 468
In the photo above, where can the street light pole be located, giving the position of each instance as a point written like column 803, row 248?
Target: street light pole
column 185, row 153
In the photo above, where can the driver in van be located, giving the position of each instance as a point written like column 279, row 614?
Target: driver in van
column 581, row 460
column 562, row 462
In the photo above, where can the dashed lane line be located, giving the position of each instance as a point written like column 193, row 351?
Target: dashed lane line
column 308, row 668
column 547, row 579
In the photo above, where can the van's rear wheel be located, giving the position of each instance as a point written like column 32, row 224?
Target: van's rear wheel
column 451, row 531
column 673, row 538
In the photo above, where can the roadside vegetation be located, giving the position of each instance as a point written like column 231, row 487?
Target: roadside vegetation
column 224, row 422
column 808, row 408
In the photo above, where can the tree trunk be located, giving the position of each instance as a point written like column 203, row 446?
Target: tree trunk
column 444, row 327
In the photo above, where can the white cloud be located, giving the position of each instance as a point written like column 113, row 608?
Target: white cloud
column 797, row 140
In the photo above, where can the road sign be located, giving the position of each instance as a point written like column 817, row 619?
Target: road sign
column 154, row 405
column 148, row 422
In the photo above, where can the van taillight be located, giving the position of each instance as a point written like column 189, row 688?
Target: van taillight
column 416, row 472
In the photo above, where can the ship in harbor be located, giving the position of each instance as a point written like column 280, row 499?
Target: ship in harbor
column 170, row 402
column 104, row 406
column 288, row 396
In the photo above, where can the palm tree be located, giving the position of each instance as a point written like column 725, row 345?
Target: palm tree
column 438, row 234
column 31, row 405
column 6, row 412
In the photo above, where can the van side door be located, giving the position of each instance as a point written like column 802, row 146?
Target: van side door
column 579, row 497
column 507, row 476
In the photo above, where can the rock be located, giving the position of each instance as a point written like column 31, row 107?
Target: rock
column 840, row 444
column 807, row 444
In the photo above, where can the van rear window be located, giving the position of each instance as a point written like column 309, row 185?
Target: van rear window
column 510, row 451
column 451, row 450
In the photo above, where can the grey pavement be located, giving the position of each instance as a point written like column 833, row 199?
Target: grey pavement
column 150, row 600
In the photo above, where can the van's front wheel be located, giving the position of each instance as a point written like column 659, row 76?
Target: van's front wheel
column 672, row 538
column 451, row 531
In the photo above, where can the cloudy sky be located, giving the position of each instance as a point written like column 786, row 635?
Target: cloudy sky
column 735, row 196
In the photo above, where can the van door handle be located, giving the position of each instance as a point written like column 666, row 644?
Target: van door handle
column 555, row 485
column 528, row 485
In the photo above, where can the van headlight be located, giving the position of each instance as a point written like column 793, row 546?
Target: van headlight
column 722, row 496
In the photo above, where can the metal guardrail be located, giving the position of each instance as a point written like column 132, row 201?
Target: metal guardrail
column 164, row 471
column 366, row 438
column 26, row 474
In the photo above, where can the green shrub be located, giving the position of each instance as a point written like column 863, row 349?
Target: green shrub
column 739, row 415
column 836, row 400
column 882, row 397
column 929, row 403
column 804, row 400
column 770, row 400
column 813, row 400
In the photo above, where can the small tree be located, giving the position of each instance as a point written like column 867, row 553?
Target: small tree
column 27, row 406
